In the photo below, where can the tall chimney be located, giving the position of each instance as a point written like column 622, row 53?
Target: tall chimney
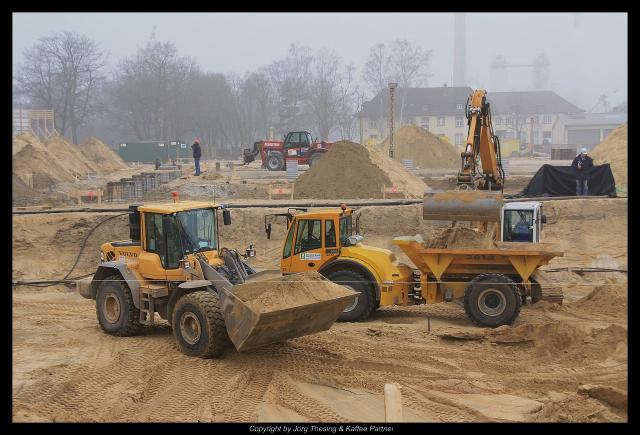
column 459, row 51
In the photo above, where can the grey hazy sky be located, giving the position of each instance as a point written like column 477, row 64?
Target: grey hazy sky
column 588, row 52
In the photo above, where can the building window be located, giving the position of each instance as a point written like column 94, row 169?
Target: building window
column 459, row 106
column 459, row 138
column 441, row 121
column 372, row 123
column 498, row 121
column 546, row 137
column 459, row 121
column 533, row 119
column 424, row 122
column 508, row 120
column 546, row 119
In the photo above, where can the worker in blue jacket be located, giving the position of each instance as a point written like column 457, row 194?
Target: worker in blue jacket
column 583, row 164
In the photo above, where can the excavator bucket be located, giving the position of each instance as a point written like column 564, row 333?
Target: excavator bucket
column 270, row 308
column 462, row 205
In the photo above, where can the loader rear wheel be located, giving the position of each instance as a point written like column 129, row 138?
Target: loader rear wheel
column 362, row 307
column 275, row 162
column 492, row 300
column 117, row 314
column 198, row 325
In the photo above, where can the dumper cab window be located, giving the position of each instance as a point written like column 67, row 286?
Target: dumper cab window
column 518, row 226
column 309, row 236
column 286, row 253
column 346, row 229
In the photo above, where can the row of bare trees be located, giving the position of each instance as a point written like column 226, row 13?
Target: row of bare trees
column 156, row 93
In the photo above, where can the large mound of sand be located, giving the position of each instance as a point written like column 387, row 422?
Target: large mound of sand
column 425, row 149
column 22, row 139
column 614, row 150
column 31, row 159
column 69, row 156
column 350, row 170
column 101, row 155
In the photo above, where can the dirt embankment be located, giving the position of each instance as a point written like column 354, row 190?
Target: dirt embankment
column 615, row 151
column 352, row 171
column 103, row 156
column 425, row 149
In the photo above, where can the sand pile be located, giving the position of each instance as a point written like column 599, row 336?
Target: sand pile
column 425, row 149
column 352, row 171
column 20, row 140
column 20, row 189
column 69, row 156
column 614, row 150
column 101, row 155
column 460, row 238
column 32, row 159
column 276, row 293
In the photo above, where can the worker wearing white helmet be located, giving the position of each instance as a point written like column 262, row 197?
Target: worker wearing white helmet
column 583, row 164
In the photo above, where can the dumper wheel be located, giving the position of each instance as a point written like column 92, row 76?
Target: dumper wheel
column 362, row 307
column 492, row 300
column 198, row 325
column 117, row 314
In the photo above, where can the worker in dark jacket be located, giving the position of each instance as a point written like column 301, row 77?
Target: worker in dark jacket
column 197, row 153
column 583, row 164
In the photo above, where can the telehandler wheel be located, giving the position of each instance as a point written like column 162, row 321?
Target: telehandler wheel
column 275, row 162
column 314, row 159
column 362, row 307
column 117, row 314
column 198, row 325
column 492, row 300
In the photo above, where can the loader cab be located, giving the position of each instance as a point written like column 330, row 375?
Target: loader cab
column 522, row 222
column 297, row 144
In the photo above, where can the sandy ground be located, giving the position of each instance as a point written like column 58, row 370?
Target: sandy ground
column 66, row 369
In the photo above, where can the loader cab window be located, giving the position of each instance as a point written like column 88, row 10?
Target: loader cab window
column 293, row 140
column 346, row 229
column 308, row 235
column 154, row 235
column 518, row 226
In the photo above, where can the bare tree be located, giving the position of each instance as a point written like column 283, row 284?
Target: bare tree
column 63, row 72
column 409, row 67
column 377, row 75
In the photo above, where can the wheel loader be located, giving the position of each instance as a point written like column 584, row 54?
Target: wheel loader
column 174, row 266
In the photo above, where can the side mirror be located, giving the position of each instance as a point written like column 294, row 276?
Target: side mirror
column 226, row 217
column 315, row 140
column 543, row 218
column 268, row 231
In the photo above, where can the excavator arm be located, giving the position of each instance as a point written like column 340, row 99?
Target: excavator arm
column 481, row 166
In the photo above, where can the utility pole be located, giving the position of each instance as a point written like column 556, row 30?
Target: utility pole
column 392, row 87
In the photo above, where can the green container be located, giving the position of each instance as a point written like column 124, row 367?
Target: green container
column 149, row 151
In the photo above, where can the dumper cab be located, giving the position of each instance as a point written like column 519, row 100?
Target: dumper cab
column 522, row 222
column 326, row 241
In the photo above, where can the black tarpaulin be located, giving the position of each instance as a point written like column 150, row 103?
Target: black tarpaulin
column 561, row 181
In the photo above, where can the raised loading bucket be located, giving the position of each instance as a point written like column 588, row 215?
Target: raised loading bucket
column 270, row 308
column 462, row 205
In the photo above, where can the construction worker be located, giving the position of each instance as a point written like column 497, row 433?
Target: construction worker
column 197, row 153
column 583, row 164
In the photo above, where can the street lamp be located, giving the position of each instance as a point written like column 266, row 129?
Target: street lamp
column 392, row 87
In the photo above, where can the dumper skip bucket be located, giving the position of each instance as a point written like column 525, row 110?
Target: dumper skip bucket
column 270, row 308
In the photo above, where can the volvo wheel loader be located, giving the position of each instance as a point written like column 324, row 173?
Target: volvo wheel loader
column 173, row 265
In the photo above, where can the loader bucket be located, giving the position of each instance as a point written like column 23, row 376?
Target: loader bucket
column 462, row 205
column 270, row 308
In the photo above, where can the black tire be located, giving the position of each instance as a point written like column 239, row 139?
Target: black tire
column 492, row 300
column 117, row 314
column 198, row 325
column 275, row 162
column 364, row 303
column 314, row 159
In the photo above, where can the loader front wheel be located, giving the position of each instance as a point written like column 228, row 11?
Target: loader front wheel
column 363, row 305
column 275, row 162
column 492, row 300
column 198, row 325
column 117, row 314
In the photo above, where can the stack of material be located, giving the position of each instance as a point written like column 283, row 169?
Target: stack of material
column 352, row 171
column 425, row 149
